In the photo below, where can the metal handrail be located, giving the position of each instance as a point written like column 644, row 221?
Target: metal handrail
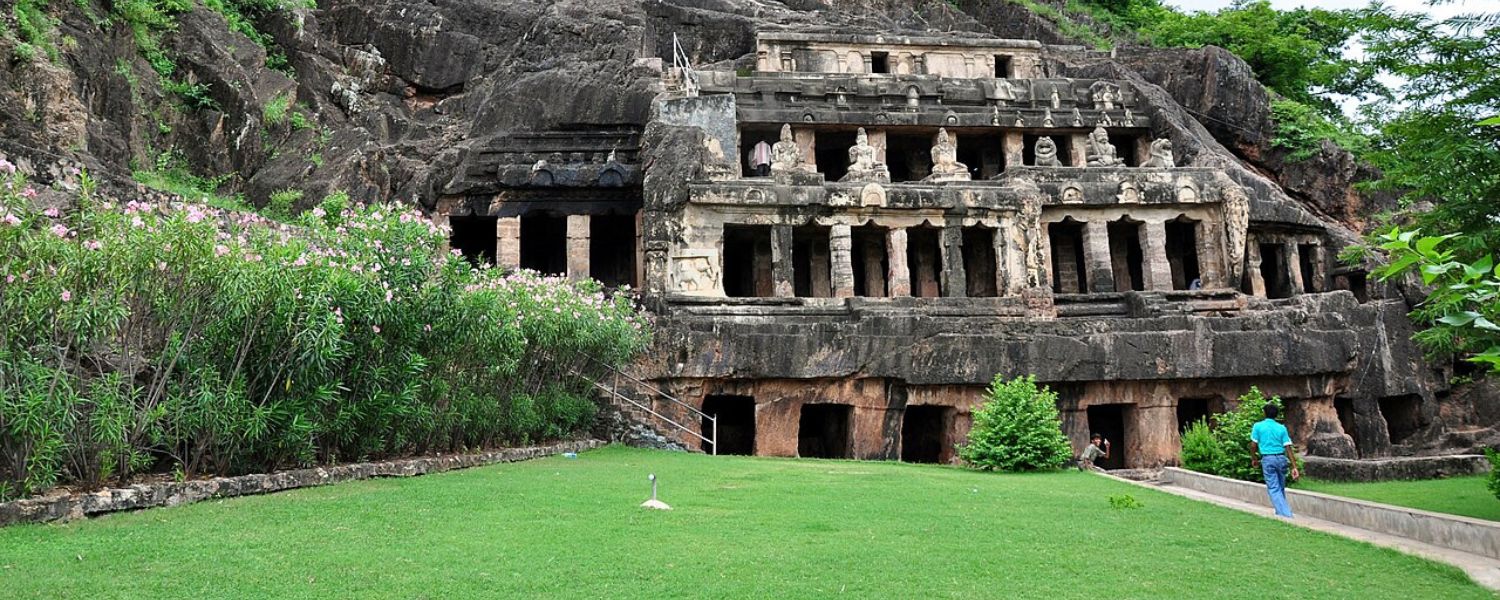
column 713, row 420
column 650, row 388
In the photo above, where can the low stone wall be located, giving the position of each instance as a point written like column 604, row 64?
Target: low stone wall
column 1406, row 467
column 1464, row 534
column 173, row 493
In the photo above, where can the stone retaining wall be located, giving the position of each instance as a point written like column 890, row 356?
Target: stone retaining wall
column 173, row 493
column 1464, row 534
column 1385, row 469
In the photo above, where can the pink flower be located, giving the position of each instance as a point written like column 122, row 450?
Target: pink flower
column 457, row 252
column 10, row 219
column 29, row 192
column 10, row 279
column 424, row 327
column 60, row 230
column 93, row 244
column 137, row 223
column 376, row 328
column 51, row 212
column 66, row 296
column 6, row 167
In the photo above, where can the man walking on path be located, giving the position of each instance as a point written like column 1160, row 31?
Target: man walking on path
column 1272, row 448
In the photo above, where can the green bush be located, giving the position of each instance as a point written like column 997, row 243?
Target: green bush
column 1016, row 429
column 185, row 338
column 1224, row 448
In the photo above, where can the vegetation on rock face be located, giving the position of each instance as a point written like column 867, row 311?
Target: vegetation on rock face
column 140, row 338
column 1463, row 306
column 1016, row 429
column 1223, row 447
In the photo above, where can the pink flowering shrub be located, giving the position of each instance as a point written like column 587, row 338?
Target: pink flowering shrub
column 141, row 337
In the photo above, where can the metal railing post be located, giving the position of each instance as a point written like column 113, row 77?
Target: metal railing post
column 716, row 435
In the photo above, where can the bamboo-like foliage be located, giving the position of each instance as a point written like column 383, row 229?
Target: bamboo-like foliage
column 138, row 337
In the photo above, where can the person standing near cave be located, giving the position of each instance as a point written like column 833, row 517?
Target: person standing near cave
column 1271, row 447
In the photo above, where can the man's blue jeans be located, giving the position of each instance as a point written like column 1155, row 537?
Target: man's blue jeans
column 1274, row 467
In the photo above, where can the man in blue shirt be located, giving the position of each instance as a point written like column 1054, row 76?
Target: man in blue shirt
column 1271, row 446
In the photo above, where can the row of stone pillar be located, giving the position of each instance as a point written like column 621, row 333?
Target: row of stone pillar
column 1290, row 267
column 508, row 244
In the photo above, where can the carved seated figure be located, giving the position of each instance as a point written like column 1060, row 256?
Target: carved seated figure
column 1098, row 151
column 786, row 157
column 862, row 164
column 1161, row 155
column 945, row 165
column 1046, row 152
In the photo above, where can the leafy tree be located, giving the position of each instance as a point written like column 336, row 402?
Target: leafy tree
column 1463, row 306
column 1016, row 429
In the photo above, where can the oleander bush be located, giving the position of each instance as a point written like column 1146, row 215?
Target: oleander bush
column 148, row 338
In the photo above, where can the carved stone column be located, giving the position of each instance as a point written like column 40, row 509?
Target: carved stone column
column 1293, row 266
column 781, row 261
column 1006, row 269
column 955, row 281
column 900, row 276
column 1101, row 275
column 1252, row 269
column 1319, row 268
column 1015, row 148
column 1077, row 149
column 508, row 242
column 1211, row 261
column 1157, row 269
column 578, row 246
column 640, row 249
column 841, row 253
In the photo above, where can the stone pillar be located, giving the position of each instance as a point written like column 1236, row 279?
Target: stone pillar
column 877, row 140
column 1211, row 263
column 640, row 249
column 781, row 261
column 1101, row 276
column 765, row 271
column 1293, row 265
column 841, row 252
column 1141, row 148
column 874, row 271
column 1252, row 269
column 1078, row 145
column 508, row 243
column 1014, row 149
column 1156, row 269
column 1004, row 259
column 807, row 142
column 1319, row 268
column 578, row 246
column 900, row 276
column 955, row 282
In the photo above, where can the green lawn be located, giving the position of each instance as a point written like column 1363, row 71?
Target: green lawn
column 1465, row 496
column 743, row 527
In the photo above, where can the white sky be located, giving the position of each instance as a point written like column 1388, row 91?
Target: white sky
column 1442, row 11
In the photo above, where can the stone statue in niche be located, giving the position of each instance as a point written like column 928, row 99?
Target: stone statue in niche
column 1046, row 152
column 1031, row 223
column 1104, row 95
column 1236, row 223
column 1129, row 193
column 1161, row 155
column 945, row 165
column 862, row 163
column 786, row 157
column 1098, row 152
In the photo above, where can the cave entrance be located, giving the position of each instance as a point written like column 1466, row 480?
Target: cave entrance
column 979, row 262
column 736, row 415
column 1273, row 270
column 1066, row 238
column 750, row 136
column 747, row 261
column 1182, row 253
column 1125, row 254
column 871, row 261
column 1344, row 407
column 1306, row 258
column 823, row 431
column 1108, row 420
column 474, row 237
column 924, row 433
column 544, row 243
column 831, row 153
column 982, row 152
column 812, row 276
column 908, row 156
column 1403, row 416
column 924, row 258
column 612, row 249
column 1127, row 146
column 1192, row 410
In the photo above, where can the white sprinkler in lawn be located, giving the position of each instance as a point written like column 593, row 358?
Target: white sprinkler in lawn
column 653, row 502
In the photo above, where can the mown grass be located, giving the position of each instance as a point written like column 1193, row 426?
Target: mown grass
column 1466, row 496
column 743, row 527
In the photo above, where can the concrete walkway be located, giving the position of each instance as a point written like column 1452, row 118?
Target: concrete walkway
column 1483, row 570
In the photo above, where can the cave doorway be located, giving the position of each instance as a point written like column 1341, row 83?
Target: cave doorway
column 871, row 261
column 747, row 261
column 823, row 431
column 1192, row 410
column 612, row 249
column 474, row 237
column 1273, row 270
column 736, row 416
column 1068, row 272
column 1403, row 416
column 924, row 433
column 831, row 153
column 924, row 259
column 979, row 262
column 1125, row 255
column 544, row 243
column 812, row 276
column 1306, row 263
column 1182, row 253
column 1108, row 420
